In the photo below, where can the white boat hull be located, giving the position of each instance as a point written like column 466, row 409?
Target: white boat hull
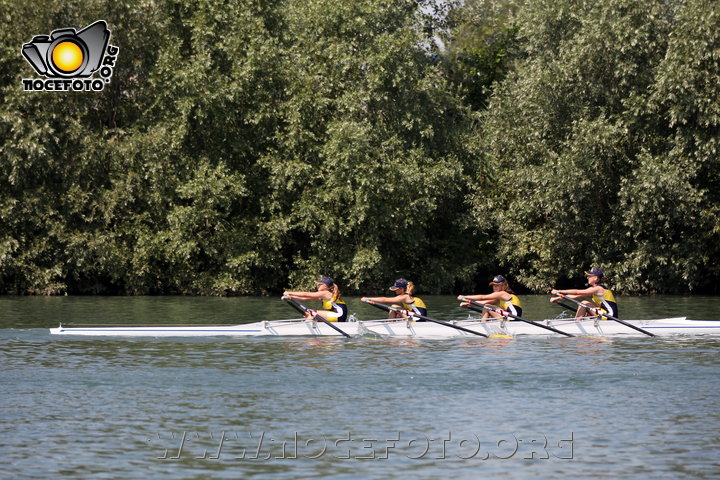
column 403, row 328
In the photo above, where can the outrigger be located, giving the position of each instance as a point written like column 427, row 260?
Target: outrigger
column 316, row 325
column 408, row 328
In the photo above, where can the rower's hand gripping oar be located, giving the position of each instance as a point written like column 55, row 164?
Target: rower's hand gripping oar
column 508, row 314
column 318, row 318
column 388, row 308
column 603, row 314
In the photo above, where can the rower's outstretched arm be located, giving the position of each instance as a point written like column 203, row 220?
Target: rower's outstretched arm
column 489, row 298
column 397, row 299
column 304, row 296
column 573, row 293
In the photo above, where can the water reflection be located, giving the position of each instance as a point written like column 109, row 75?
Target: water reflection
column 589, row 345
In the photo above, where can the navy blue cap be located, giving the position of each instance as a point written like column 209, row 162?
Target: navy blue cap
column 326, row 281
column 596, row 272
column 498, row 280
column 399, row 283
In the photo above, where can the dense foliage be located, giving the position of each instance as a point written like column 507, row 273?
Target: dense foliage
column 603, row 142
column 243, row 147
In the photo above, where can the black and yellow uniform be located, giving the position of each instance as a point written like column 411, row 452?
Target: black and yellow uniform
column 607, row 302
column 513, row 305
column 417, row 306
column 338, row 310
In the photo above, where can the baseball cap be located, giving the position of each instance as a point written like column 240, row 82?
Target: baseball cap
column 326, row 281
column 596, row 272
column 498, row 280
column 399, row 283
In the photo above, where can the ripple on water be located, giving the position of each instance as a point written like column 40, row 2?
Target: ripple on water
column 108, row 408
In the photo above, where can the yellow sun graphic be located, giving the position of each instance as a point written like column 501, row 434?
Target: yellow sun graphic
column 67, row 56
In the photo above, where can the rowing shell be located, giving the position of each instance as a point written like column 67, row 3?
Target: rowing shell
column 404, row 328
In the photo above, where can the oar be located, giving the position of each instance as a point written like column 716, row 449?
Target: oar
column 508, row 314
column 606, row 315
column 564, row 305
column 388, row 308
column 318, row 318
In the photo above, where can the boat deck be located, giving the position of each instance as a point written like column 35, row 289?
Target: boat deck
column 404, row 328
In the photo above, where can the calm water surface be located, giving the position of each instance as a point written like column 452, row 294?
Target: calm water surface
column 350, row 408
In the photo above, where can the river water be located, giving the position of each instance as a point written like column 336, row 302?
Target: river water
column 357, row 408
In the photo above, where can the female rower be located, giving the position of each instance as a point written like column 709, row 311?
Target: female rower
column 404, row 295
column 502, row 295
column 334, row 308
column 602, row 299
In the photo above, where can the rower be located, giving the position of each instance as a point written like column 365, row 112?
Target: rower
column 602, row 299
column 404, row 296
column 334, row 308
column 502, row 295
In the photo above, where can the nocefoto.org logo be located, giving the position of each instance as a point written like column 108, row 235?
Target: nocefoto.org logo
column 68, row 59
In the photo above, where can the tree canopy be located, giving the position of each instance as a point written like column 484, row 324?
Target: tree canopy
column 244, row 147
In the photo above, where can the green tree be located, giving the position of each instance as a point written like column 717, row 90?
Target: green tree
column 480, row 45
column 368, row 176
column 671, row 202
column 145, row 187
column 238, row 145
column 588, row 159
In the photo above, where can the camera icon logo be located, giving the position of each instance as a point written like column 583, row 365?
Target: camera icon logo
column 68, row 54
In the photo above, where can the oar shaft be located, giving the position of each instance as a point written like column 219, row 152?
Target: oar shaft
column 475, row 309
column 566, row 306
column 388, row 308
column 294, row 304
column 484, row 307
column 303, row 309
column 630, row 325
